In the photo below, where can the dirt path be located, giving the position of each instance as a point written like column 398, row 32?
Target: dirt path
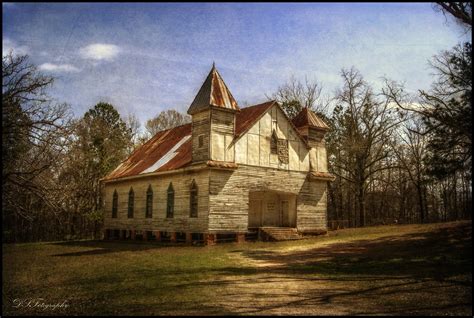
column 411, row 274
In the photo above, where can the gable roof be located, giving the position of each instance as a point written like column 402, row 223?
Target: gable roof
column 307, row 117
column 213, row 93
column 250, row 115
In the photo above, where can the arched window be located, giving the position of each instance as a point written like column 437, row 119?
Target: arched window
column 131, row 198
column 170, row 201
column 274, row 143
column 114, row 204
column 193, row 200
column 149, row 203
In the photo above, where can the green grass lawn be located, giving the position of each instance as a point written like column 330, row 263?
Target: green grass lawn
column 404, row 269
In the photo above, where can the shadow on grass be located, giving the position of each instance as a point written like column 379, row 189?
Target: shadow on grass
column 447, row 251
column 413, row 274
column 104, row 247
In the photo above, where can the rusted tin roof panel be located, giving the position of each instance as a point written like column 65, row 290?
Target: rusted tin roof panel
column 306, row 117
column 221, row 95
column 166, row 150
column 213, row 92
column 182, row 159
column 168, row 157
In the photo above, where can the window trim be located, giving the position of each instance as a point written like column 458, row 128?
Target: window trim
column 115, row 204
column 131, row 203
column 170, row 201
column 193, row 200
column 149, row 203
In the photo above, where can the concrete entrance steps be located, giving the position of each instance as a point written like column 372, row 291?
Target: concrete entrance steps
column 268, row 233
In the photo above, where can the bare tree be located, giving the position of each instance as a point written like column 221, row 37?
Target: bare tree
column 461, row 11
column 133, row 124
column 34, row 137
column 446, row 109
column 166, row 119
column 363, row 121
column 294, row 95
column 410, row 148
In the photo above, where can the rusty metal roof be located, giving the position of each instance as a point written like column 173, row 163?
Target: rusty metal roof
column 213, row 93
column 167, row 150
column 249, row 115
column 172, row 149
column 307, row 117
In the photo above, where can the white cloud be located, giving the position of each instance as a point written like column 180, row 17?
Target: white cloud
column 58, row 67
column 9, row 45
column 100, row 51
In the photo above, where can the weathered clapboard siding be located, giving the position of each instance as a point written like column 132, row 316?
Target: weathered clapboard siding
column 318, row 155
column 181, row 222
column 229, row 197
column 222, row 135
column 311, row 206
column 253, row 148
column 201, row 129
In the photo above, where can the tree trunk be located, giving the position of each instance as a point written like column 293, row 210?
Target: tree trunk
column 361, row 204
column 421, row 209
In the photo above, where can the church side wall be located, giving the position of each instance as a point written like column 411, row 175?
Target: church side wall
column 181, row 221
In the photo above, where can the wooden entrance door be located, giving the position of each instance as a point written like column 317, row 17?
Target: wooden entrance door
column 255, row 213
column 285, row 213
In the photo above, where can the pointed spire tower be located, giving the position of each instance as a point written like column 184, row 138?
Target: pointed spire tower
column 213, row 118
column 213, row 93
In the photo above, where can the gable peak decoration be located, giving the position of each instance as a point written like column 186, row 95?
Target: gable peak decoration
column 213, row 93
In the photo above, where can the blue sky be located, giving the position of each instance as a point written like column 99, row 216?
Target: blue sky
column 148, row 57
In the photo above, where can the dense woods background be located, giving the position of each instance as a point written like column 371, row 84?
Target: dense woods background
column 398, row 157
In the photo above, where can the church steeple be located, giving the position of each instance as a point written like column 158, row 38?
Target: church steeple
column 213, row 93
